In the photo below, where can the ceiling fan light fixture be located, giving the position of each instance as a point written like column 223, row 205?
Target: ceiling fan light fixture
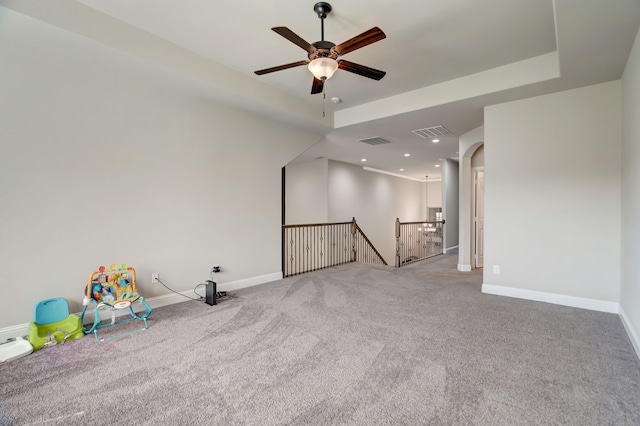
column 323, row 68
column 323, row 55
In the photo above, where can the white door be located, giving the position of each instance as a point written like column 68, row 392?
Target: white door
column 479, row 218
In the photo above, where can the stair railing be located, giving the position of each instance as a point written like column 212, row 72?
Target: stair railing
column 417, row 241
column 311, row 247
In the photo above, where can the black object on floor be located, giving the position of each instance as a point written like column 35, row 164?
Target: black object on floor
column 210, row 293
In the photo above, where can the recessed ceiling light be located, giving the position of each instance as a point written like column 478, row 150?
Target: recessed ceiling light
column 402, row 170
column 407, row 155
column 363, row 160
column 435, row 140
column 437, row 165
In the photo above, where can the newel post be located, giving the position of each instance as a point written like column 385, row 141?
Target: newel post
column 397, row 242
column 353, row 239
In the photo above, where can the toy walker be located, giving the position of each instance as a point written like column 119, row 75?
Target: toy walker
column 114, row 290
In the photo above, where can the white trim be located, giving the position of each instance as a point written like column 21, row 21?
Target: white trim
column 384, row 172
column 464, row 268
column 444, row 251
column 631, row 332
column 172, row 298
column 155, row 302
column 558, row 299
column 250, row 282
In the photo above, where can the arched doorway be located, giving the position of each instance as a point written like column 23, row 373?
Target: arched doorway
column 471, row 235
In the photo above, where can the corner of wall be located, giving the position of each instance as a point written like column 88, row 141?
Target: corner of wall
column 631, row 331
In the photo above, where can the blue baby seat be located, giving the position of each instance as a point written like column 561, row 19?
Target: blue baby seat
column 51, row 310
column 113, row 289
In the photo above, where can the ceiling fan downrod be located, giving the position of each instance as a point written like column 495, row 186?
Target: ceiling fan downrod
column 322, row 9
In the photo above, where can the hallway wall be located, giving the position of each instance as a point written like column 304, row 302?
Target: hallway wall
column 374, row 199
column 630, row 287
column 552, row 195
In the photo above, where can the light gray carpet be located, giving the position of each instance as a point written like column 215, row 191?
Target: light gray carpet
column 353, row 345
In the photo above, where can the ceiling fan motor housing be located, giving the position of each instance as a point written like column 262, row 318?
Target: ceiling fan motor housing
column 323, row 49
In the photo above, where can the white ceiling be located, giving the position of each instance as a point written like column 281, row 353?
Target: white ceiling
column 445, row 60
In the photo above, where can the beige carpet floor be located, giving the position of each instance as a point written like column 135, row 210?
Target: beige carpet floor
column 351, row 345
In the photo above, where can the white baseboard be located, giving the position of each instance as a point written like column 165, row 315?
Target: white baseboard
column 631, row 332
column 13, row 332
column 557, row 299
column 170, row 299
column 156, row 302
column 464, row 268
column 250, row 282
column 444, row 251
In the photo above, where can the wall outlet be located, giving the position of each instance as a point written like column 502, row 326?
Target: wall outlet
column 154, row 278
column 496, row 269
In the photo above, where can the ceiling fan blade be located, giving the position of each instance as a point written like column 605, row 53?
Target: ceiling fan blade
column 361, row 70
column 367, row 37
column 281, row 67
column 317, row 86
column 294, row 38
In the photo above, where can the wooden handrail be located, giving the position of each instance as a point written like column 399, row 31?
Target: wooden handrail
column 306, row 225
column 371, row 245
column 421, row 221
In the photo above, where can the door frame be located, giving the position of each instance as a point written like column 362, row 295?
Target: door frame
column 474, row 218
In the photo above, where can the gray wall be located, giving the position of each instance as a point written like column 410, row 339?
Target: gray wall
column 630, row 289
column 434, row 193
column 552, row 193
column 307, row 192
column 101, row 168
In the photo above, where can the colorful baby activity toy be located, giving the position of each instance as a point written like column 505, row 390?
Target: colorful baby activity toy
column 113, row 289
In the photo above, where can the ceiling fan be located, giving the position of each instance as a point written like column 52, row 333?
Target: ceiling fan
column 323, row 55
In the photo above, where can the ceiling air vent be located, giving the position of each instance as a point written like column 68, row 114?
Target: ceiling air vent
column 432, row 132
column 376, row 140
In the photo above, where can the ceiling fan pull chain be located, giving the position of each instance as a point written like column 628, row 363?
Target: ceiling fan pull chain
column 324, row 96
